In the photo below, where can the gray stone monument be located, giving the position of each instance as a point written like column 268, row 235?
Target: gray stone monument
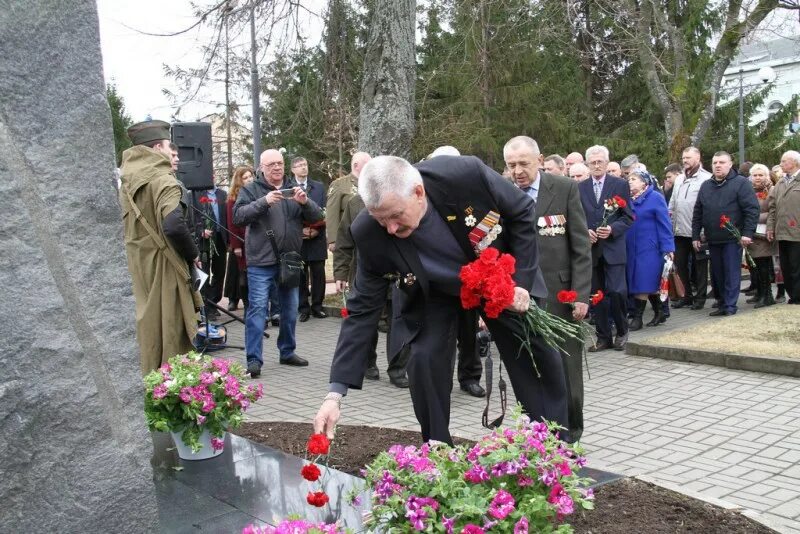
column 74, row 446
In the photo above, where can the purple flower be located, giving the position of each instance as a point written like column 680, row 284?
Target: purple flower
column 201, row 419
column 476, row 474
column 448, row 523
column 580, row 461
column 587, row 493
column 472, row 529
column 206, row 378
column 186, row 394
column 521, row 526
column 524, row 481
column 208, row 405
column 548, row 477
column 231, row 386
column 160, row 391
column 386, row 487
column 223, row 366
column 416, row 510
column 217, row 444
column 502, row 504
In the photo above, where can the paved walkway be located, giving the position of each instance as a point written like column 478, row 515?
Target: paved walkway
column 728, row 434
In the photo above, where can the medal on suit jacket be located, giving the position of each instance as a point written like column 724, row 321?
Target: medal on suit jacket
column 552, row 225
column 487, row 231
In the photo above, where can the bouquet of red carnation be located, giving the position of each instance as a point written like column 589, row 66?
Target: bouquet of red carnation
column 610, row 208
column 726, row 224
column 318, row 445
column 488, row 279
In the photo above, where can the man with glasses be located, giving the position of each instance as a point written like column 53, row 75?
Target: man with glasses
column 609, row 253
column 262, row 207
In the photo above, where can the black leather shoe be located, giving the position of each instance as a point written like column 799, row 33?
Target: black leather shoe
column 319, row 314
column 232, row 306
column 681, row 304
column 399, row 382
column 372, row 373
column 303, row 317
column 473, row 389
column 621, row 341
column 275, row 320
column 295, row 360
column 699, row 305
column 600, row 346
column 718, row 313
column 715, row 305
column 254, row 368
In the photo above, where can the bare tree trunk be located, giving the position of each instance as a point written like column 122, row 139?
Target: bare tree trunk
column 387, row 91
column 228, row 103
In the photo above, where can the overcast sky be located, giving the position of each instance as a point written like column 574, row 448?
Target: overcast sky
column 134, row 61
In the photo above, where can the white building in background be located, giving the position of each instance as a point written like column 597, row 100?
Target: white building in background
column 783, row 56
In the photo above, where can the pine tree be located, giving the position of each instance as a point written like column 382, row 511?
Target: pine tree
column 120, row 121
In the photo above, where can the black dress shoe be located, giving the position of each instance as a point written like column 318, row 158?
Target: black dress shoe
column 399, row 382
column 232, row 306
column 699, row 305
column 621, row 341
column 303, row 317
column 600, row 346
column 372, row 373
column 275, row 320
column 718, row 313
column 319, row 314
column 254, row 368
column 681, row 304
column 473, row 389
column 295, row 360
column 715, row 305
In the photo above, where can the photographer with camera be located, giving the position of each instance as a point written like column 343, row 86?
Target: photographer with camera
column 273, row 213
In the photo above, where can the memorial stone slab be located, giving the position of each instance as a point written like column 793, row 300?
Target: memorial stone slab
column 75, row 448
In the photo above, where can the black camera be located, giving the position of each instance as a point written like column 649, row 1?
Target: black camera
column 484, row 338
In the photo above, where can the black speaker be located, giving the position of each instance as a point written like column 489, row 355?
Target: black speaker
column 195, row 165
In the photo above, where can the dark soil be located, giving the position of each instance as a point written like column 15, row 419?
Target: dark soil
column 621, row 507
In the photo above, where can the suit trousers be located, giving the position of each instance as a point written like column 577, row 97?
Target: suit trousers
column 214, row 265
column 611, row 280
column 789, row 254
column 469, row 360
column 726, row 274
column 572, row 360
column 313, row 272
column 684, row 256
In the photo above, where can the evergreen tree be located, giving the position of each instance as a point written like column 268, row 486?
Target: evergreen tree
column 120, row 121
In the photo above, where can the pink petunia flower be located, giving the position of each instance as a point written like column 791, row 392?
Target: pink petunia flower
column 186, row 394
column 160, row 391
column 217, row 444
column 472, row 529
column 206, row 378
column 521, row 526
column 502, row 504
column 201, row 419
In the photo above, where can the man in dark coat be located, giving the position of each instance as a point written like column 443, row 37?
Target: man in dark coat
column 731, row 195
column 314, row 250
column 211, row 223
column 608, row 247
column 415, row 232
column 564, row 254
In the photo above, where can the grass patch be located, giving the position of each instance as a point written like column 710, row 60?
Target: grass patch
column 771, row 331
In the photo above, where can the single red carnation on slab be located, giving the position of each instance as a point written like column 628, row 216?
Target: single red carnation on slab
column 318, row 498
column 310, row 472
column 318, row 444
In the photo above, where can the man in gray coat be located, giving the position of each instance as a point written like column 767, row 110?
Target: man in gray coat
column 565, row 254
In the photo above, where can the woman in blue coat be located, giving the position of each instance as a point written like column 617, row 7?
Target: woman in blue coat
column 648, row 241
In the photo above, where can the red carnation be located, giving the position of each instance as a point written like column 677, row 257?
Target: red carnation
column 206, row 200
column 310, row 472
column 567, row 296
column 724, row 220
column 345, row 313
column 318, row 444
column 620, row 201
column 318, row 498
column 597, row 297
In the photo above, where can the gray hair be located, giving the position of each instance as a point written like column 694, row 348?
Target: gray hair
column 598, row 149
column 385, row 175
column 521, row 141
column 794, row 154
column 629, row 161
column 760, row 167
column 445, row 150
column 578, row 167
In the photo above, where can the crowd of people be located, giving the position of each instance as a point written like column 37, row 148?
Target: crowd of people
column 399, row 233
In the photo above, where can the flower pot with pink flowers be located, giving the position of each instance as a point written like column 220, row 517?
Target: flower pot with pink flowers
column 197, row 398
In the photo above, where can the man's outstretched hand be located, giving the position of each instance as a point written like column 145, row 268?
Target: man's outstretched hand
column 327, row 417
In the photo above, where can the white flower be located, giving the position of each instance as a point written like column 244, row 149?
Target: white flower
column 282, row 150
column 169, row 383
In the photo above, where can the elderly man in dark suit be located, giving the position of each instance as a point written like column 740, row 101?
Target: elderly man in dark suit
column 415, row 232
column 564, row 254
column 314, row 249
column 609, row 252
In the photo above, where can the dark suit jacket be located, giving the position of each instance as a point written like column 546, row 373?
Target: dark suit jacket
column 612, row 250
column 565, row 259
column 316, row 249
column 200, row 221
column 453, row 184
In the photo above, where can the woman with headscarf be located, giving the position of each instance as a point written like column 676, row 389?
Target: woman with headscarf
column 760, row 249
column 649, row 241
column 236, row 272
